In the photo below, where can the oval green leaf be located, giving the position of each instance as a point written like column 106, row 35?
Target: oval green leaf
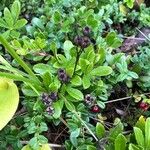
column 101, row 71
column 75, row 93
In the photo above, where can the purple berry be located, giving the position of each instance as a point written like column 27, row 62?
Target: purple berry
column 50, row 110
column 78, row 40
column 89, row 100
column 62, row 76
column 86, row 31
column 53, row 96
column 46, row 99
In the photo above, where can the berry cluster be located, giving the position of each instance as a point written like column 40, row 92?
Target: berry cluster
column 144, row 106
column 48, row 99
column 62, row 76
column 83, row 41
column 90, row 102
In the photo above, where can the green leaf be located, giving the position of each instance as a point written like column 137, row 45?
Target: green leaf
column 73, row 136
column 141, row 123
column 91, row 147
column 112, row 40
column 147, row 133
column 130, row 3
column 70, row 106
column 34, row 143
column 58, row 108
column 78, row 95
column 15, row 9
column 101, row 104
column 20, row 23
column 133, row 74
column 83, row 64
column 41, row 68
column 76, row 80
column 67, row 47
column 28, row 91
column 3, row 23
column 47, row 79
column 102, row 53
column 101, row 71
column 114, row 132
column 8, row 18
column 9, row 99
column 37, row 22
column 57, row 17
column 100, row 130
column 120, row 142
column 92, row 22
column 139, row 136
column 86, row 81
column 133, row 147
column 45, row 147
column 27, row 147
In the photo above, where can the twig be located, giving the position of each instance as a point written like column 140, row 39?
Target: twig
column 119, row 99
column 59, row 134
column 83, row 122
column 124, row 98
column 134, row 38
column 143, row 34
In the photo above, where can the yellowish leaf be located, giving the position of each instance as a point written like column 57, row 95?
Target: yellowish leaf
column 9, row 99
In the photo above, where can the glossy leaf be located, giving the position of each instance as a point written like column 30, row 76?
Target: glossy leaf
column 9, row 99
column 67, row 47
column 8, row 18
column 100, row 130
column 20, row 23
column 69, row 106
column 58, row 108
column 139, row 136
column 133, row 147
column 101, row 71
column 91, row 147
column 86, row 81
column 15, row 9
column 120, row 142
column 76, row 80
column 147, row 133
column 75, row 93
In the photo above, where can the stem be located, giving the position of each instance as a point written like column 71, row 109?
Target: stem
column 16, row 56
column 77, row 59
column 83, row 122
column 20, row 78
column 143, row 34
column 124, row 98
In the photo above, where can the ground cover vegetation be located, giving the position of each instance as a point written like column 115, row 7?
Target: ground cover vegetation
column 74, row 75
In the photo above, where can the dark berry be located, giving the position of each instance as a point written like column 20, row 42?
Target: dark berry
column 89, row 100
column 50, row 110
column 86, row 31
column 46, row 99
column 78, row 40
column 60, row 71
column 62, row 76
column 95, row 109
column 53, row 96
column 88, row 97
column 85, row 42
